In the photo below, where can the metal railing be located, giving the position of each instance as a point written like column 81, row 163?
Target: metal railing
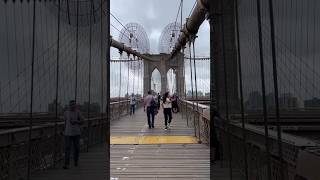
column 296, row 149
column 122, row 108
column 199, row 118
column 47, row 142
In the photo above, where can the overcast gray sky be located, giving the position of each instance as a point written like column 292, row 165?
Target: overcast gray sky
column 153, row 16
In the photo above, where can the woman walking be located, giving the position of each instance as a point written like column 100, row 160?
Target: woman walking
column 167, row 105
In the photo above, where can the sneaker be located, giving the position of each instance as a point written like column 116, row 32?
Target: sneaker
column 166, row 128
column 152, row 126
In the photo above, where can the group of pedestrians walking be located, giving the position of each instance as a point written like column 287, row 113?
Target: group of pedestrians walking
column 152, row 106
column 74, row 119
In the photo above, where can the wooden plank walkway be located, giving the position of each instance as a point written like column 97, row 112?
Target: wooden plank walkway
column 143, row 161
column 157, row 161
column 92, row 165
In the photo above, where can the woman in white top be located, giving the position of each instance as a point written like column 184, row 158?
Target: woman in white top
column 166, row 105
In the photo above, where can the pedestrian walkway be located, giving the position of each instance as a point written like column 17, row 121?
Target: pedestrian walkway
column 92, row 165
column 140, row 153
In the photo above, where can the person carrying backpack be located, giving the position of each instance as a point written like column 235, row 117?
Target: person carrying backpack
column 149, row 103
column 133, row 101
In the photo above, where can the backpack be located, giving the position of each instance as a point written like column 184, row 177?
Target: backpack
column 153, row 104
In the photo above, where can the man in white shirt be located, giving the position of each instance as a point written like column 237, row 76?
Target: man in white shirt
column 72, row 118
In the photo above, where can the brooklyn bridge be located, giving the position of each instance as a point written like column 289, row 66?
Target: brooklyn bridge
column 245, row 75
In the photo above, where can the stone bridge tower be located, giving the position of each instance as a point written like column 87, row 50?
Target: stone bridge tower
column 163, row 64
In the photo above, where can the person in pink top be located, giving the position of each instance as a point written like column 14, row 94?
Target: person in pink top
column 149, row 103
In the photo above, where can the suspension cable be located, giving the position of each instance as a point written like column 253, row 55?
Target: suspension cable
column 264, row 101
column 77, row 50
column 134, row 73
column 191, row 78
column 241, row 93
column 195, row 81
column 128, row 85
column 89, row 74
column 139, row 69
column 57, row 87
column 184, row 87
column 31, row 91
column 275, row 85
column 120, row 86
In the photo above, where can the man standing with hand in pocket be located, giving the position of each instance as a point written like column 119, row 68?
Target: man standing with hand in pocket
column 72, row 118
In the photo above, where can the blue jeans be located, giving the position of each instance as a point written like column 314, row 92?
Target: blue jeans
column 76, row 148
column 132, row 108
column 150, row 112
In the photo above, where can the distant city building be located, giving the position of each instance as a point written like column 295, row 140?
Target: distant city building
column 254, row 101
column 52, row 107
column 288, row 101
column 314, row 102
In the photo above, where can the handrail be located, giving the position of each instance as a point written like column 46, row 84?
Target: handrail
column 202, row 106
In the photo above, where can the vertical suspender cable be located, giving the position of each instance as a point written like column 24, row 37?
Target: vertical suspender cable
column 264, row 101
column 195, row 81
column 128, row 86
column 130, row 74
column 139, row 69
column 57, row 88
column 77, row 44
column 185, row 88
column 275, row 84
column 89, row 75
column 191, row 77
column 68, row 12
column 181, row 87
column 15, row 108
column 120, row 88
column 102, row 66
column 134, row 73
column 8, row 58
column 226, row 90
column 24, row 59
column 31, row 91
column 244, row 136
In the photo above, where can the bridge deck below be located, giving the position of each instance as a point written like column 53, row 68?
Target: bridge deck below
column 136, row 125
column 144, row 161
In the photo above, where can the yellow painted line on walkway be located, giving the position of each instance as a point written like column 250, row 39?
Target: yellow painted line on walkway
column 153, row 140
